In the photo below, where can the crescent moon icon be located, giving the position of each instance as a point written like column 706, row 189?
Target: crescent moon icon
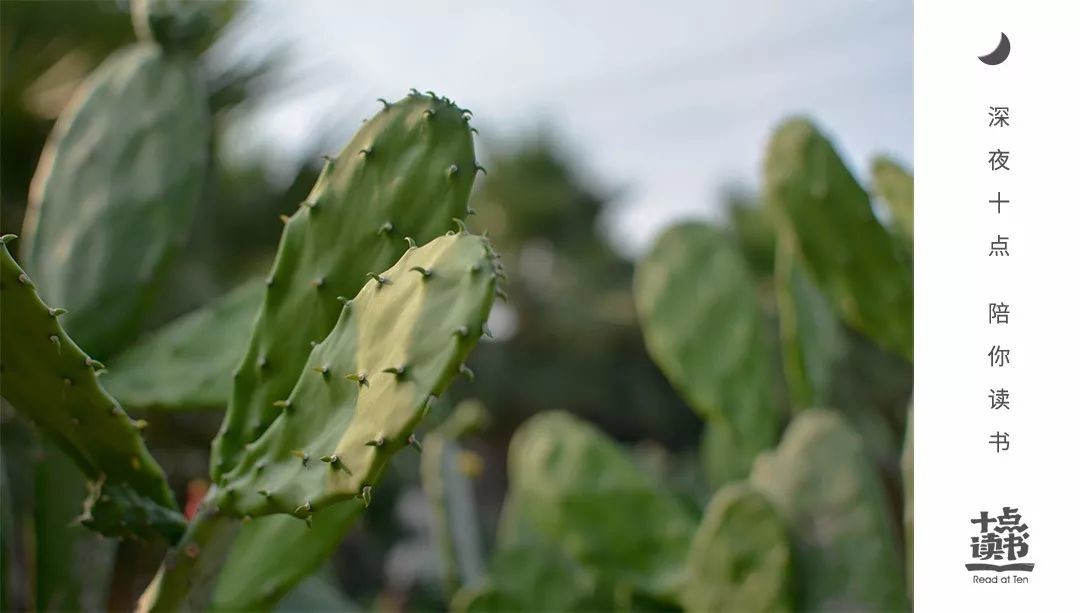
column 998, row 55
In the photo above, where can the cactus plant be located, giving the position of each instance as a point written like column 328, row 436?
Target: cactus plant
column 363, row 391
column 907, row 471
column 703, row 327
column 186, row 364
column 847, row 251
column 845, row 551
column 739, row 559
column 405, row 174
column 52, row 381
column 115, row 191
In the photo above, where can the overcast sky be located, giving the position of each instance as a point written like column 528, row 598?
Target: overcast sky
column 662, row 101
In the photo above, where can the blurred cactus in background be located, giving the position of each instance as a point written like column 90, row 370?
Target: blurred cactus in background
column 724, row 425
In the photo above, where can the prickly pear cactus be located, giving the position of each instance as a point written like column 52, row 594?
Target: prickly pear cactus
column 115, row 191
column 846, row 553
column 574, row 487
column 364, row 390
column 186, row 364
column 703, row 327
column 896, row 186
column 405, row 175
column 53, row 382
column 811, row 336
column 446, row 476
column 739, row 559
column 848, row 253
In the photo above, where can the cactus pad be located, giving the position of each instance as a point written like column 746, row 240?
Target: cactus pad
column 847, row 556
column 703, row 327
column 406, row 174
column 895, row 185
column 739, row 559
column 51, row 381
column 364, row 389
column 115, row 191
column 187, row 363
column 847, row 251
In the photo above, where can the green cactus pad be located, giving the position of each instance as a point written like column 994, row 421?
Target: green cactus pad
column 811, row 335
column 115, row 191
column 847, row 251
column 895, row 185
column 455, row 520
column 51, row 381
column 847, row 556
column 739, row 559
column 704, row 329
column 406, row 174
column 187, row 364
column 271, row 555
column 364, row 390
column 575, row 487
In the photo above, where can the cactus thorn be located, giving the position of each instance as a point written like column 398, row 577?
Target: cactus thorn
column 67, row 382
column 469, row 374
column 263, row 493
column 414, row 442
column 260, row 362
column 471, row 211
column 397, row 371
column 260, row 465
column 487, row 331
column 460, row 226
column 7, row 238
column 480, row 168
column 499, row 293
column 453, row 170
column 474, row 131
column 379, row 279
column 413, row 91
column 318, row 282
column 304, row 508
column 246, row 520
column 324, row 370
column 376, row 442
column 309, row 204
column 302, row 455
column 386, row 228
column 284, row 218
column 327, row 158
column 429, row 113
column 56, row 312
column 191, row 550
column 343, row 300
column 432, row 95
column 360, row 378
column 92, row 363
column 139, row 424
column 116, row 410
column 411, row 242
column 365, row 152
column 385, row 103
column 330, row 459
column 365, row 495
column 25, row 280
column 55, row 340
column 424, row 272
column 282, row 404
column 460, row 331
